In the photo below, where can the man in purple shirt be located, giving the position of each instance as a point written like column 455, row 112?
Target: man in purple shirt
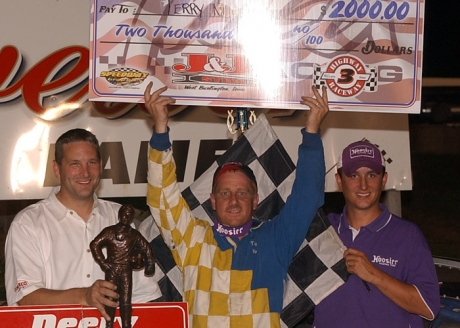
column 393, row 280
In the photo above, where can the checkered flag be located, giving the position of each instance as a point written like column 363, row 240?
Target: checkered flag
column 318, row 82
column 372, row 84
column 318, row 267
column 167, row 273
column 316, row 270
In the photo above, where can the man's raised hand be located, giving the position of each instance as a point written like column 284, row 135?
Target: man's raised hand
column 157, row 107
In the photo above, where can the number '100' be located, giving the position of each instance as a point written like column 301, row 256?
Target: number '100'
column 341, row 9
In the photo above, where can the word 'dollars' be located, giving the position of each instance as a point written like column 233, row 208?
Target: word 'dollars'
column 51, row 321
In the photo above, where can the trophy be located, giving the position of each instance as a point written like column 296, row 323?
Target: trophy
column 127, row 250
column 243, row 119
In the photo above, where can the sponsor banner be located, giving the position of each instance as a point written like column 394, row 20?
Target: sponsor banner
column 258, row 54
column 159, row 315
column 199, row 135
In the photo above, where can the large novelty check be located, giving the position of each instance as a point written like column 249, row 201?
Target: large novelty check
column 259, row 53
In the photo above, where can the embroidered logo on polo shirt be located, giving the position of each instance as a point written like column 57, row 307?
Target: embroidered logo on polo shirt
column 385, row 261
column 21, row 284
column 228, row 232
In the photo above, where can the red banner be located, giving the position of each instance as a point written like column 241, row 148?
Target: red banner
column 160, row 315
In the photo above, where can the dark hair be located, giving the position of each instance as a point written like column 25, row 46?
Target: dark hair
column 340, row 171
column 74, row 135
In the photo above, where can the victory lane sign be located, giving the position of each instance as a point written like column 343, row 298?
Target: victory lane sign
column 159, row 315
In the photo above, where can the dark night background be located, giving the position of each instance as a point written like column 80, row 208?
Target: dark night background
column 442, row 39
column 434, row 202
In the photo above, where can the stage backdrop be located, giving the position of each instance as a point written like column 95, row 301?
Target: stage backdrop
column 44, row 77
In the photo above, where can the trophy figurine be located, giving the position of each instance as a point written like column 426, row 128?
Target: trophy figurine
column 127, row 250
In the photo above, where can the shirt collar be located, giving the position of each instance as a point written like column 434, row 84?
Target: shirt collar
column 380, row 222
column 59, row 210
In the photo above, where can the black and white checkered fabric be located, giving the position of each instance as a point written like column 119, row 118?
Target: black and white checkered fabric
column 167, row 273
column 318, row 267
column 316, row 270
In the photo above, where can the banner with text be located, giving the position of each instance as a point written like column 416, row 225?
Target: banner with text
column 259, row 54
column 44, row 92
column 159, row 315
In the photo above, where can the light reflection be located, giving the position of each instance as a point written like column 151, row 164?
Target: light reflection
column 30, row 158
column 62, row 110
column 259, row 36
